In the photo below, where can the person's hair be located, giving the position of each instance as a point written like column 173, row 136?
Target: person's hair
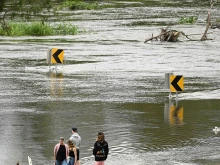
column 70, row 143
column 101, row 137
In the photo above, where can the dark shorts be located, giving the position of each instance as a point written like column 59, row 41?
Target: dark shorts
column 77, row 150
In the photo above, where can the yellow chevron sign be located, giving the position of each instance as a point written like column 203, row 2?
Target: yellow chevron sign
column 176, row 83
column 57, row 55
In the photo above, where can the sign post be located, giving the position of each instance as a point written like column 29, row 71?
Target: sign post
column 167, row 82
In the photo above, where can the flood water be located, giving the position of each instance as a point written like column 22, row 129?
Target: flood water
column 113, row 82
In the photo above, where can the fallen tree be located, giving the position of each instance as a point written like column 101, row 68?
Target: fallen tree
column 173, row 35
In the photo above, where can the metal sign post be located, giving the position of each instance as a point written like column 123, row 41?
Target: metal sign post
column 167, row 83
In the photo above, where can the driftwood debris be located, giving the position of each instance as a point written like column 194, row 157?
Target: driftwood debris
column 172, row 35
column 215, row 26
column 169, row 36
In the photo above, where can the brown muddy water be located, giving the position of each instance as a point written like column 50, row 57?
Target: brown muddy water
column 112, row 82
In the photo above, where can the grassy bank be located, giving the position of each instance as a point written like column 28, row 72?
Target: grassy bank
column 86, row 5
column 38, row 29
column 79, row 5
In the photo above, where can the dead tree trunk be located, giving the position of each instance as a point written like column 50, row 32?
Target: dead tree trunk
column 208, row 24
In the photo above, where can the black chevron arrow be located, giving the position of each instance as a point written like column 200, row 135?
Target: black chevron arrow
column 175, row 81
column 56, row 54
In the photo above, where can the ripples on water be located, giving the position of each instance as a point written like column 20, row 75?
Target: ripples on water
column 112, row 81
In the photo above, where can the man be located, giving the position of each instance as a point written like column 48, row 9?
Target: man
column 61, row 152
column 76, row 139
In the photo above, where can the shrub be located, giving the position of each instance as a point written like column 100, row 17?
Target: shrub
column 38, row 29
column 191, row 19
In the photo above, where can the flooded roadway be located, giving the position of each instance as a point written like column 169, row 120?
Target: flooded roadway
column 111, row 81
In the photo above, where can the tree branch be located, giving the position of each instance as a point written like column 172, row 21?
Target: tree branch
column 204, row 37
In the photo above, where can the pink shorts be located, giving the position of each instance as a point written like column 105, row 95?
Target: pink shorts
column 99, row 163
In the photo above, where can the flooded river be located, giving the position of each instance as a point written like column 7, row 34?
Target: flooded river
column 113, row 82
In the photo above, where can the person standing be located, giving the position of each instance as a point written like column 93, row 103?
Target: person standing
column 100, row 150
column 76, row 139
column 72, row 153
column 61, row 152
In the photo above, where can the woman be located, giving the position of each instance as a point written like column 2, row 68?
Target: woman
column 100, row 150
column 72, row 159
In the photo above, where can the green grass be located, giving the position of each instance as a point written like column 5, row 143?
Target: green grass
column 38, row 29
column 79, row 5
column 191, row 19
column 217, row 20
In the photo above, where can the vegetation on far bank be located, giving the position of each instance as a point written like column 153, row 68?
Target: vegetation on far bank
column 79, row 5
column 38, row 29
column 30, row 17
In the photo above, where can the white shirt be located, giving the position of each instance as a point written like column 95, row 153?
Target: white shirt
column 76, row 139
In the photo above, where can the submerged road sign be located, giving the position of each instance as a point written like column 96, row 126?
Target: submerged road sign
column 176, row 83
column 57, row 55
